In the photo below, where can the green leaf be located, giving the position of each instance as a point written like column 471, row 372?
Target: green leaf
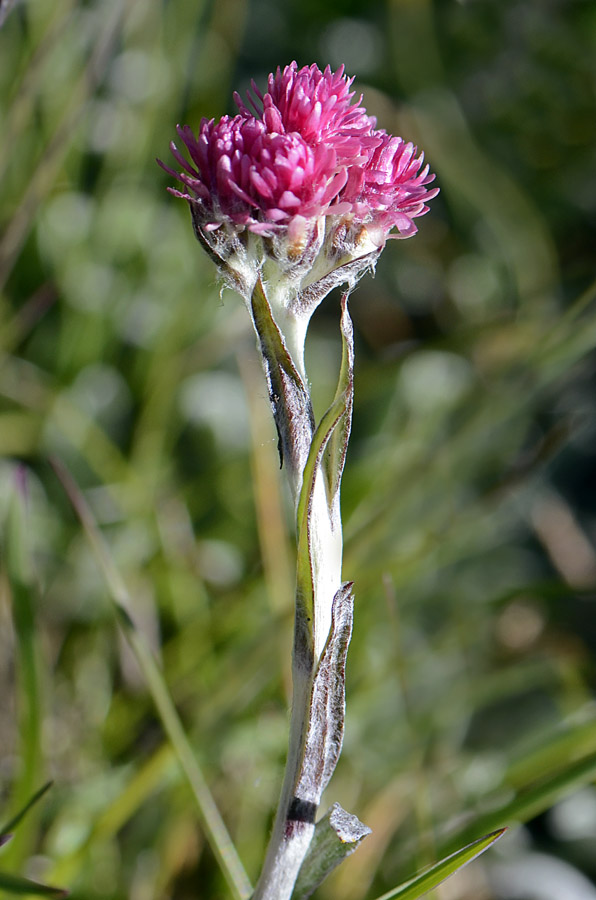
column 304, row 576
column 290, row 400
column 327, row 449
column 337, row 446
column 538, row 797
column 12, row 824
column 552, row 753
column 337, row 835
column 13, row 884
column 434, row 876
column 24, row 591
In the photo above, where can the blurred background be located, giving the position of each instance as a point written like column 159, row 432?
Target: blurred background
column 469, row 495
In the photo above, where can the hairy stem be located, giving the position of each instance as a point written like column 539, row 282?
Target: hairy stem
column 314, row 459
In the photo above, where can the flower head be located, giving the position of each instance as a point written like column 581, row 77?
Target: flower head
column 389, row 189
column 243, row 173
column 306, row 173
column 318, row 106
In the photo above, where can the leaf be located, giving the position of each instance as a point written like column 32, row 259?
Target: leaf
column 289, row 397
column 337, row 835
column 538, row 797
column 337, row 446
column 304, row 555
column 24, row 591
column 438, row 873
column 552, row 753
column 333, row 430
column 13, row 884
column 12, row 824
column 327, row 450
column 328, row 703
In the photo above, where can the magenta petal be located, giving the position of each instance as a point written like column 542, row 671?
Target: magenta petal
column 243, row 195
column 276, row 215
column 261, row 185
column 289, row 199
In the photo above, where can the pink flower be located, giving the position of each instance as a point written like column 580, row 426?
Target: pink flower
column 390, row 189
column 318, row 106
column 247, row 175
column 308, row 151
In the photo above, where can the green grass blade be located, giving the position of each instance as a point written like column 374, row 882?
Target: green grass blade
column 24, row 593
column 12, row 824
column 537, row 798
column 12, row 884
column 143, row 782
column 211, row 820
column 430, row 879
column 554, row 753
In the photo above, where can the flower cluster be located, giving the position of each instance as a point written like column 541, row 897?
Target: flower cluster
column 306, row 152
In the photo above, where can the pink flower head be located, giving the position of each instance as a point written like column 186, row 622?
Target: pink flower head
column 318, row 105
column 308, row 151
column 247, row 175
column 389, row 190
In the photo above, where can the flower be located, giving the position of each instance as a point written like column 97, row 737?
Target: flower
column 306, row 173
column 256, row 178
column 318, row 106
column 390, row 189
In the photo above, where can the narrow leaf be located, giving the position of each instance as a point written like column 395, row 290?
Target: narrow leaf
column 538, row 797
column 290, row 400
column 304, row 575
column 434, row 876
column 24, row 593
column 327, row 706
column 337, row 446
column 326, row 455
column 12, row 824
column 15, row 885
column 552, row 753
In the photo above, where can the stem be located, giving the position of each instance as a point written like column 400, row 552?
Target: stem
column 323, row 622
column 311, row 727
column 290, row 839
